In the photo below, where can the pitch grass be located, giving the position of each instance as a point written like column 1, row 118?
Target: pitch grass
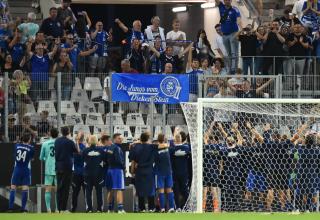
column 177, row 216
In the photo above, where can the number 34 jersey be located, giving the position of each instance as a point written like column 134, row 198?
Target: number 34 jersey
column 47, row 155
column 23, row 155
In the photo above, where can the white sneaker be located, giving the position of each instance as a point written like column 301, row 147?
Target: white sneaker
column 171, row 210
column 121, row 212
column 162, row 210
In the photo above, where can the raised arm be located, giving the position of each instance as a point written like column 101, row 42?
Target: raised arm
column 89, row 23
column 221, row 129
column 254, row 132
column 262, row 87
column 88, row 52
column 296, row 136
column 188, row 49
column 121, row 25
column 157, row 53
column 236, row 130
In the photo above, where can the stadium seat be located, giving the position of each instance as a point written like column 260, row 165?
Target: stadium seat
column 101, row 108
column 30, row 108
column 79, row 95
column 67, row 107
column 157, row 120
column 134, row 119
column 51, row 83
column 92, row 83
column 77, row 84
column 96, row 95
column 116, row 119
column 48, row 106
column 53, row 95
column 124, row 130
column 175, row 119
column 141, row 129
column 94, row 119
column 168, row 132
column 98, row 129
column 145, row 108
column 73, row 119
column 86, row 107
column 83, row 128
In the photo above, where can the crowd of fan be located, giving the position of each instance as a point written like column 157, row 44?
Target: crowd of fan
column 69, row 43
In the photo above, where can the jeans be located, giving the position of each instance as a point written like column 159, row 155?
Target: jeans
column 247, row 62
column 66, row 92
column 39, row 90
column 232, row 46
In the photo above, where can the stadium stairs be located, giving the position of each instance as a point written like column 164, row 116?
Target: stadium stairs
column 21, row 8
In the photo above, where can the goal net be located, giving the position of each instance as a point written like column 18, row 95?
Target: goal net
column 254, row 155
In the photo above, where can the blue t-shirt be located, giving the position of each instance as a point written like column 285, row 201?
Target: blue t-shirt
column 40, row 68
column 73, row 54
column 3, row 43
column 163, row 162
column 23, row 155
column 193, row 81
column 115, row 157
column 144, row 156
column 78, row 161
column 17, row 53
column 229, row 19
column 101, row 41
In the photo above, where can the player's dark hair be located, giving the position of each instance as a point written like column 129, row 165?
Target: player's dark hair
column 144, row 137
column 217, row 25
column 116, row 135
column 183, row 136
column 310, row 140
column 26, row 137
column 65, row 131
column 54, row 132
column 104, row 138
column 161, row 138
column 53, row 9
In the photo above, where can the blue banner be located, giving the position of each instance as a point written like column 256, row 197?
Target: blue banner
column 162, row 89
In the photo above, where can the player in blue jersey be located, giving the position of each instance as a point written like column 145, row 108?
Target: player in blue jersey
column 94, row 159
column 163, row 171
column 232, row 157
column 180, row 153
column 115, row 176
column 212, row 155
column 47, row 155
column 308, row 170
column 77, row 174
column 142, row 156
column 256, row 185
column 106, row 142
column 21, row 175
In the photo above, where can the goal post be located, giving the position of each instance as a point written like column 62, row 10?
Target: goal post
column 267, row 126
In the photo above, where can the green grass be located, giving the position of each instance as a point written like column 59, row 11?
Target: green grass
column 178, row 216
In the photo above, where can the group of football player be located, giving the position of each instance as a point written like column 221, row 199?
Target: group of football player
column 249, row 170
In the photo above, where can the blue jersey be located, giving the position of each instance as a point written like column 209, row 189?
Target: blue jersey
column 73, row 54
column 163, row 162
column 193, row 81
column 101, row 41
column 94, row 158
column 17, row 53
column 115, row 157
column 308, row 168
column 23, row 155
column 180, row 155
column 229, row 18
column 78, row 161
column 232, row 163
column 144, row 156
column 40, row 68
column 212, row 155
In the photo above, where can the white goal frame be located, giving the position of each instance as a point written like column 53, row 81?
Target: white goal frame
column 200, row 105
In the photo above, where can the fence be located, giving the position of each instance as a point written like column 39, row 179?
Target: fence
column 82, row 101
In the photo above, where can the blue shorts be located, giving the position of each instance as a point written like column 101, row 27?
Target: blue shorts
column 21, row 177
column 163, row 182
column 256, row 182
column 115, row 179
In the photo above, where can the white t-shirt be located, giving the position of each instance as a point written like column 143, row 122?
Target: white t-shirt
column 106, row 85
column 218, row 44
column 172, row 35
